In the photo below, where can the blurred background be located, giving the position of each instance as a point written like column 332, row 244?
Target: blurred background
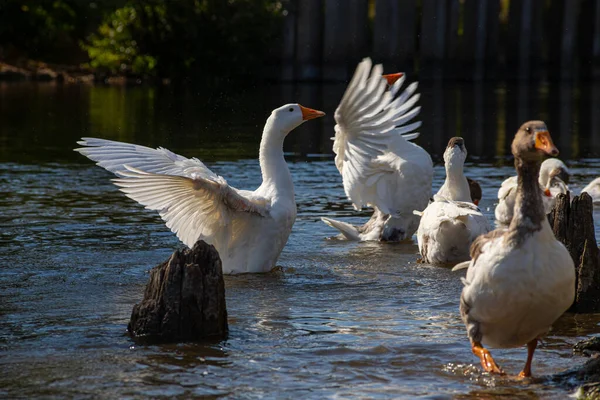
column 208, row 40
column 204, row 74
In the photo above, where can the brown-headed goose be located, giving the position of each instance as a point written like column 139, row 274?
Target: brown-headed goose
column 380, row 168
column 248, row 228
column 451, row 221
column 520, row 279
column 475, row 190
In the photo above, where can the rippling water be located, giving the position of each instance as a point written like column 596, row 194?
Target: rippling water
column 339, row 320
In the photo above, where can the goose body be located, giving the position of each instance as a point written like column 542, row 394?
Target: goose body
column 380, row 167
column 248, row 228
column 593, row 189
column 520, row 279
column 553, row 178
column 451, row 222
column 517, row 290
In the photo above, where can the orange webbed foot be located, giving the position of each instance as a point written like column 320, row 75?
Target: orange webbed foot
column 526, row 373
column 487, row 361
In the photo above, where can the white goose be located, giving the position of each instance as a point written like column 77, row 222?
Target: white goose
column 520, row 279
column 380, row 168
column 553, row 179
column 451, row 222
column 593, row 189
column 248, row 228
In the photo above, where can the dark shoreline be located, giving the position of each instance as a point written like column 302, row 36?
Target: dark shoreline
column 36, row 71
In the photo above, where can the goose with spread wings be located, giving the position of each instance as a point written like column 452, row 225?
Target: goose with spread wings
column 380, row 167
column 248, row 228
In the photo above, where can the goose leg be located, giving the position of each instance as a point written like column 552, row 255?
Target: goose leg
column 526, row 373
column 487, row 362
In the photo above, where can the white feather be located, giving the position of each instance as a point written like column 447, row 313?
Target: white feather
column 248, row 228
column 379, row 166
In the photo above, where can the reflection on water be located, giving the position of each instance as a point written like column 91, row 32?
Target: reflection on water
column 40, row 122
column 339, row 319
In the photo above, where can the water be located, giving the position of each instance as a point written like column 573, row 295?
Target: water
column 339, row 320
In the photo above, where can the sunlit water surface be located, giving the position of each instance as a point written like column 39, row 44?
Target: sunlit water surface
column 339, row 319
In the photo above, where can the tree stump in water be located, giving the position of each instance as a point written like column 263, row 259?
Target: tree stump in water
column 573, row 225
column 184, row 299
column 586, row 377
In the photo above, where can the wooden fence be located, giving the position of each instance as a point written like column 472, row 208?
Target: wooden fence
column 450, row 39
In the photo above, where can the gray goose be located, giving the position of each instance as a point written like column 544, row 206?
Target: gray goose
column 520, row 279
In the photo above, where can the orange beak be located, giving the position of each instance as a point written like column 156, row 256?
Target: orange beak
column 543, row 142
column 392, row 78
column 309, row 113
column 476, row 202
column 547, row 192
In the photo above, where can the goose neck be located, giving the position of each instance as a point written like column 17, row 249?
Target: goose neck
column 275, row 171
column 456, row 182
column 529, row 209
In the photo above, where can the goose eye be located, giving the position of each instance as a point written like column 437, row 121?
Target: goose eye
column 291, row 110
column 528, row 129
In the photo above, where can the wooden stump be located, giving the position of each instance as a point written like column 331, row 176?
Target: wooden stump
column 573, row 225
column 184, row 299
column 585, row 378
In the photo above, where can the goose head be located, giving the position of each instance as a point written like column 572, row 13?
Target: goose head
column 551, row 168
column 455, row 154
column 475, row 190
column 533, row 142
column 288, row 117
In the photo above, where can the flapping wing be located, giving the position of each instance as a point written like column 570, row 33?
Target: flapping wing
column 367, row 120
column 113, row 156
column 195, row 207
column 194, row 202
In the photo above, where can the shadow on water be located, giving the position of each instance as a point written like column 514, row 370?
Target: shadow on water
column 337, row 319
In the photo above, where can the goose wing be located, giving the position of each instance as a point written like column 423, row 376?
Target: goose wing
column 368, row 119
column 113, row 156
column 194, row 202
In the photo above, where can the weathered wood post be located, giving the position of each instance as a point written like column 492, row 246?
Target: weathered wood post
column 596, row 42
column 309, row 24
column 184, row 299
column 453, row 68
column 573, row 225
column 588, row 41
column 358, row 29
column 474, row 39
column 562, row 32
column 433, row 35
column 568, row 42
column 492, row 20
column 336, row 41
column 288, row 39
column 394, row 33
column 524, row 50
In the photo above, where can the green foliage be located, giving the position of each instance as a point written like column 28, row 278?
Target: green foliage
column 113, row 47
column 48, row 29
column 178, row 39
column 199, row 39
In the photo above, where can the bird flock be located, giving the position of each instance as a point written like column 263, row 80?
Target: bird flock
column 519, row 278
